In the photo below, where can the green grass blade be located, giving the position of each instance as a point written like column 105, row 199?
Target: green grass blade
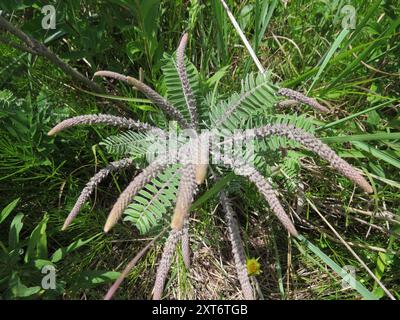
column 217, row 187
column 354, row 115
column 8, row 209
column 363, row 137
column 389, row 182
column 356, row 285
column 339, row 39
column 377, row 153
column 357, row 62
column 338, row 58
column 264, row 11
column 371, row 11
column 278, row 267
column 118, row 98
column 222, row 30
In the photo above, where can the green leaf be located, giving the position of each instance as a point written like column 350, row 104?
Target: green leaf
column 381, row 264
column 40, row 263
column 151, row 203
column 356, row 63
column 217, row 76
column 387, row 181
column 8, row 209
column 18, row 289
column 372, row 9
column 263, row 14
column 217, row 187
column 89, row 279
column 373, row 118
column 37, row 244
column 256, row 97
column 15, row 229
column 173, row 83
column 135, row 144
column 60, row 253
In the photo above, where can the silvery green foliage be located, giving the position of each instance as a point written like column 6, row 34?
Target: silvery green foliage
column 165, row 180
column 154, row 200
column 175, row 93
column 256, row 97
column 134, row 144
column 143, row 178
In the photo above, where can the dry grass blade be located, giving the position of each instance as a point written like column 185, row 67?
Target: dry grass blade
column 243, row 37
column 352, row 251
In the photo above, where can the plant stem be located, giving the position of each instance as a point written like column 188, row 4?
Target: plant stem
column 34, row 46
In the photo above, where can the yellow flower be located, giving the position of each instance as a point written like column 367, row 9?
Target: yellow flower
column 253, row 267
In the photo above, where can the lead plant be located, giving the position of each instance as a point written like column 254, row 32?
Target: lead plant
column 165, row 183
